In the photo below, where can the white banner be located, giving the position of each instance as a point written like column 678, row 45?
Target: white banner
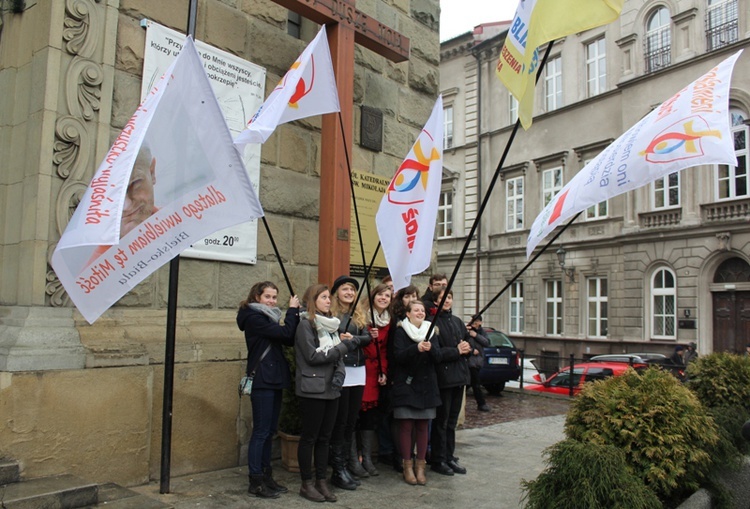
column 240, row 88
column 408, row 211
column 690, row 129
column 148, row 201
column 308, row 88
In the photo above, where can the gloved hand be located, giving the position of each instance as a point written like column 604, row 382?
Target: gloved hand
column 338, row 380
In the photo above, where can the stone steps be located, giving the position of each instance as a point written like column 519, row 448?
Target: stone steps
column 61, row 491
column 66, row 492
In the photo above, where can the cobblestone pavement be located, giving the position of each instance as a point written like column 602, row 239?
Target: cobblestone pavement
column 512, row 405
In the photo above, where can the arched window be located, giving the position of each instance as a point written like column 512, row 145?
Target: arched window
column 664, row 304
column 658, row 40
column 732, row 180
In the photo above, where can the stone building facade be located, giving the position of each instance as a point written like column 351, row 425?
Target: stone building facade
column 668, row 263
column 86, row 399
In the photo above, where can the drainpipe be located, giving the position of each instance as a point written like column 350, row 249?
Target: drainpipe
column 477, row 56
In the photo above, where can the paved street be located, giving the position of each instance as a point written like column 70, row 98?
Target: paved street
column 498, row 457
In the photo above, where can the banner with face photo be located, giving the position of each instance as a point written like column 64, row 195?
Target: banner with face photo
column 172, row 177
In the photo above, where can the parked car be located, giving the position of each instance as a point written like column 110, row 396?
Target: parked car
column 662, row 360
column 530, row 373
column 501, row 362
column 559, row 383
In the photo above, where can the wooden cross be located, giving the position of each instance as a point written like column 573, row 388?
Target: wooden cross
column 345, row 26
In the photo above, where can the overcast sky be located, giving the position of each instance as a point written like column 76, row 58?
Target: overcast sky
column 461, row 16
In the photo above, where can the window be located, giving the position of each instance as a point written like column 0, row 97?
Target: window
column 445, row 215
column 596, row 297
column 513, row 109
column 721, row 23
column 596, row 67
column 447, row 127
column 732, row 180
column 552, row 182
column 554, row 307
column 664, row 308
column 514, row 200
column 667, row 191
column 598, row 211
column 516, row 307
column 658, row 40
column 553, row 84
column 293, row 24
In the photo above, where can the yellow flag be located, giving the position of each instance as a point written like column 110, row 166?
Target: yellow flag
column 535, row 23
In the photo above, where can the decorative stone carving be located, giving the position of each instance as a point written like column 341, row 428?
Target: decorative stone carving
column 81, row 16
column 73, row 144
column 83, row 87
column 725, row 241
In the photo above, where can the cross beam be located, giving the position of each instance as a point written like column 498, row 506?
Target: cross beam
column 345, row 25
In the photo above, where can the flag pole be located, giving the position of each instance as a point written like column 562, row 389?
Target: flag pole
column 278, row 257
column 486, row 198
column 528, row 264
column 356, row 218
column 169, row 349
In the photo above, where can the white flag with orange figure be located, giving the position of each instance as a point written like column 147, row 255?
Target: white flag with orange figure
column 690, row 129
column 308, row 88
column 172, row 177
column 408, row 211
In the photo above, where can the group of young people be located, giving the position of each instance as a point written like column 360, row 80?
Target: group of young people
column 364, row 367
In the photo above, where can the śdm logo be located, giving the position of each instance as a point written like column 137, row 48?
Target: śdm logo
column 681, row 140
column 409, row 184
column 301, row 90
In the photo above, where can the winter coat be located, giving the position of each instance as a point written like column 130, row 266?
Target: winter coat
column 453, row 370
column 481, row 342
column 376, row 362
column 356, row 357
column 261, row 331
column 315, row 369
column 421, row 391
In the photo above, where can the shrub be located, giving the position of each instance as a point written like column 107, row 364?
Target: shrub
column 583, row 476
column 661, row 427
column 290, row 421
column 722, row 383
column 721, row 380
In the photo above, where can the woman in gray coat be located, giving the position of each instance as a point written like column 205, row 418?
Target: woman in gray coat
column 319, row 353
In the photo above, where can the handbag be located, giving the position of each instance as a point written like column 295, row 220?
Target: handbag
column 246, row 382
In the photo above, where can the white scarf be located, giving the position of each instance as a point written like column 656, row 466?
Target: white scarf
column 328, row 331
column 272, row 313
column 417, row 334
column 382, row 319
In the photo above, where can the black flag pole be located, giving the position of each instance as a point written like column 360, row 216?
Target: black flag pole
column 528, row 264
column 486, row 198
column 278, row 256
column 174, row 275
column 356, row 218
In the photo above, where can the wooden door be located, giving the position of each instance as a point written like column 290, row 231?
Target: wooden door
column 731, row 321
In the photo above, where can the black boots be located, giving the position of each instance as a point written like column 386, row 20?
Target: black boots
column 340, row 477
column 355, row 467
column 271, row 483
column 259, row 488
column 308, row 491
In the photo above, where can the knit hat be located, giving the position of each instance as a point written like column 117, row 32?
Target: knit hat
column 341, row 280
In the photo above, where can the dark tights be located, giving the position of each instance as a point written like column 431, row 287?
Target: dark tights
column 406, row 428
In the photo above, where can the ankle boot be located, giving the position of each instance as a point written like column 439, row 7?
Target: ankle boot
column 340, row 477
column 355, row 467
column 259, row 489
column 323, row 489
column 271, row 483
column 409, row 477
column 419, row 469
column 308, row 491
column 368, row 440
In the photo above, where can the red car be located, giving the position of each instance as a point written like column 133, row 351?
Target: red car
column 559, row 383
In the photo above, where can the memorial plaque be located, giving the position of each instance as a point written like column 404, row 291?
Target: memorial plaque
column 371, row 129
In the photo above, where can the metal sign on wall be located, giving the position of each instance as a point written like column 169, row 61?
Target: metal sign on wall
column 239, row 86
column 369, row 190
